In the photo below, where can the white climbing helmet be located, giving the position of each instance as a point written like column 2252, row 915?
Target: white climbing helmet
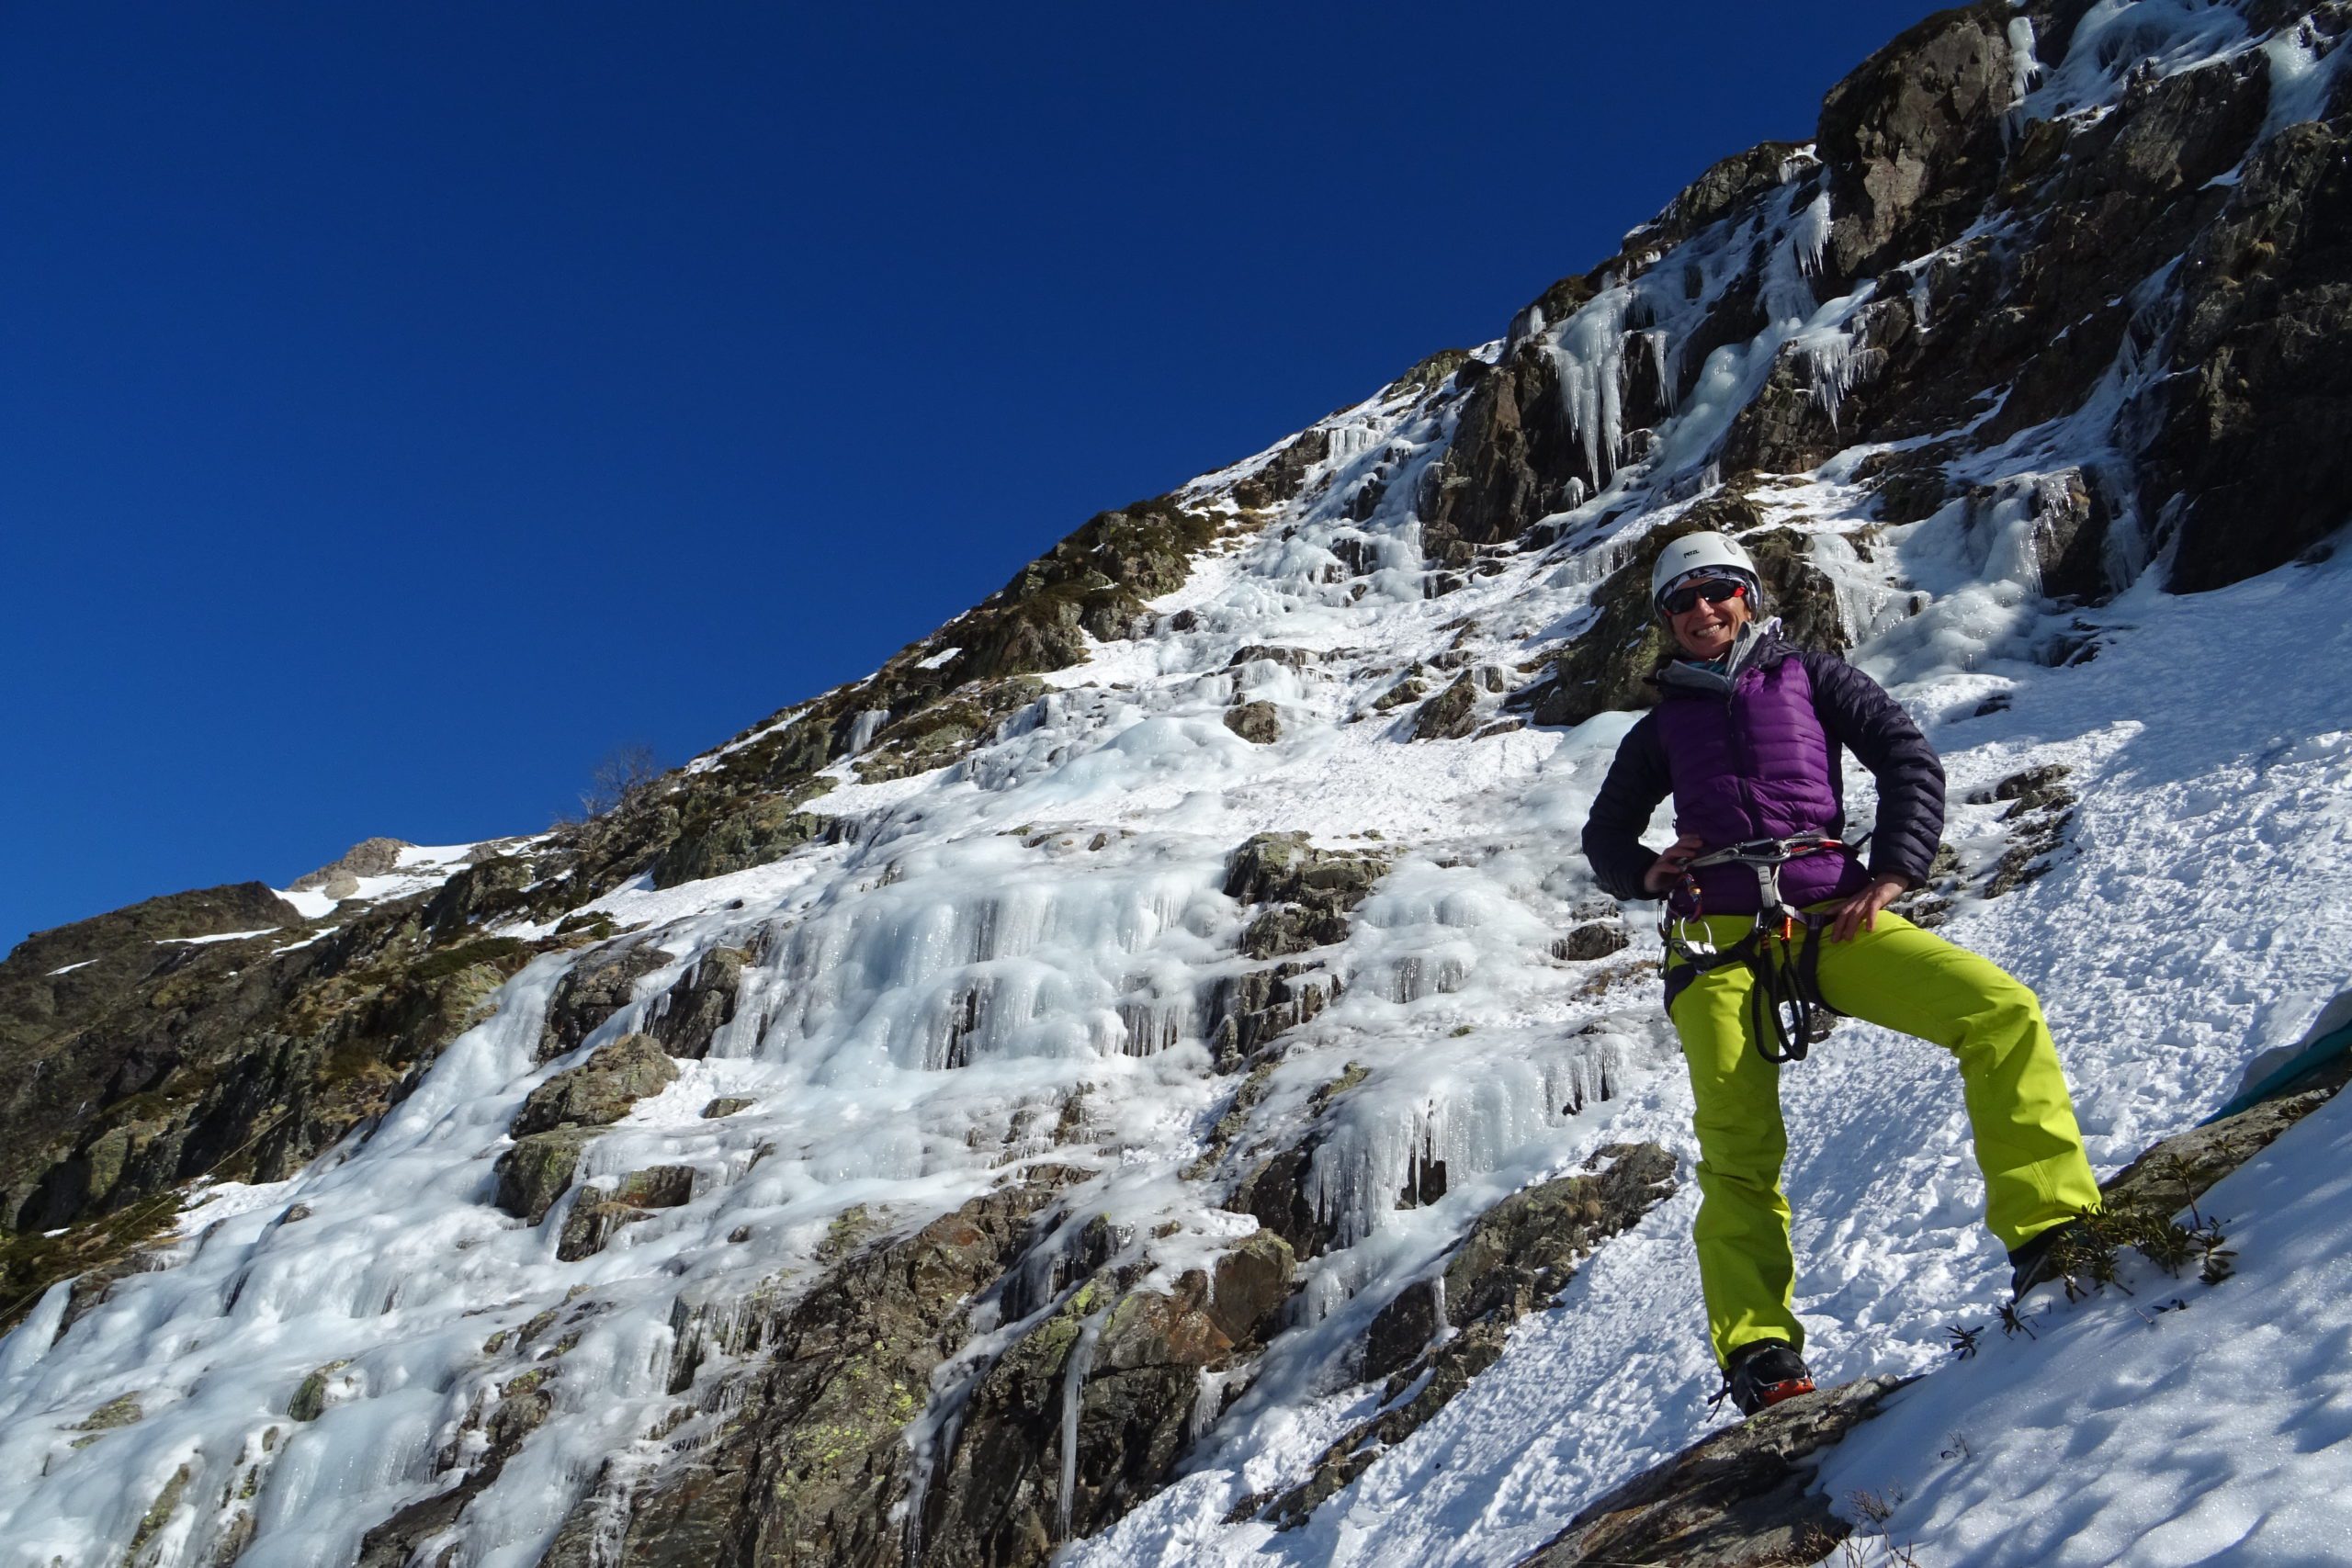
column 1695, row 558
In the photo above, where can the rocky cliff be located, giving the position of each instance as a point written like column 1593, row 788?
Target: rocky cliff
column 1151, row 1052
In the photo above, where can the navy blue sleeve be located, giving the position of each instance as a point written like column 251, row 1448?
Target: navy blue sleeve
column 1638, row 780
column 1859, row 715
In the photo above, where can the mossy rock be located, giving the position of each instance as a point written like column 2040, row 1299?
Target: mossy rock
column 310, row 1401
column 600, row 1091
column 936, row 736
column 1430, row 373
column 594, row 989
column 735, row 836
column 499, row 953
column 123, row 1410
column 538, row 1170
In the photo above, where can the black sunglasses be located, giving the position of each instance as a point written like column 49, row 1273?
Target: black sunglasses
column 1713, row 592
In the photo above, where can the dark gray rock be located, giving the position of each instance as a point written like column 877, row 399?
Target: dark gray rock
column 1451, row 715
column 701, row 1003
column 1401, row 1331
column 1594, row 938
column 1275, row 1194
column 2256, row 435
column 591, row 991
column 1913, row 138
column 598, row 1214
column 1743, row 1498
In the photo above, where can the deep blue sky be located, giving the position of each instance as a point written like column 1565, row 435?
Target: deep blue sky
column 402, row 405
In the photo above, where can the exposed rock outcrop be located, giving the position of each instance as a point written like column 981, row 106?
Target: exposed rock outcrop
column 807, row 1465
column 1742, row 1499
column 599, row 1213
column 1089, row 1412
column 701, row 1004
column 536, row 1171
column 591, row 991
column 1302, row 893
column 730, row 836
column 1517, row 1260
column 601, row 1090
column 340, row 878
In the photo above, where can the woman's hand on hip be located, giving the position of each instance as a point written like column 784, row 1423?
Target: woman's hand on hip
column 1859, row 913
column 1669, row 867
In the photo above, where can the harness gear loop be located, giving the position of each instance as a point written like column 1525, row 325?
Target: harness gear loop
column 1787, row 1014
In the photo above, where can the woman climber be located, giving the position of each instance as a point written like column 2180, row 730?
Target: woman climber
column 1772, row 924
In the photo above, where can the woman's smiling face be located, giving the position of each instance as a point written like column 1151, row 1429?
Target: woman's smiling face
column 1706, row 630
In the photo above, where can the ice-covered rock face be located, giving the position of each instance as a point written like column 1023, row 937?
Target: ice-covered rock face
column 1216, row 883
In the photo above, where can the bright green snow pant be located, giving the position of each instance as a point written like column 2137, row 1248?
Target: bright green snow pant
column 1905, row 978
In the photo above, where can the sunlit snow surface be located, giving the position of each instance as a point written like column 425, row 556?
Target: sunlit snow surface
column 926, row 997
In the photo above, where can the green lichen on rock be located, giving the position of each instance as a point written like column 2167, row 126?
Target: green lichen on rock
column 601, row 1090
column 310, row 1401
column 1431, row 372
column 538, row 1170
column 937, row 735
column 721, row 836
column 158, row 1515
column 814, row 1459
column 123, row 1410
column 1302, row 892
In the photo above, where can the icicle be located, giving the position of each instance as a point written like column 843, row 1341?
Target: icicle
column 2024, row 69
column 862, row 727
column 1081, row 1360
column 1809, row 236
column 1589, row 355
column 1209, row 1398
column 25, row 1344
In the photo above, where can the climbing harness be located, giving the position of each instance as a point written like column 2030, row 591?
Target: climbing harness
column 1787, row 1014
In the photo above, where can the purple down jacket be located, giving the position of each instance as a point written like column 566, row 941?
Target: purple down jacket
column 1753, row 753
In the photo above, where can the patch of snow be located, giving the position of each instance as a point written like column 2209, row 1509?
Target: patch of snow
column 217, row 936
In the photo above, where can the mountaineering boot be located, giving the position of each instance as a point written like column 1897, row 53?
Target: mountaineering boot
column 2037, row 1261
column 1766, row 1373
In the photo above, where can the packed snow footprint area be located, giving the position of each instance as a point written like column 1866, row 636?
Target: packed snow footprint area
column 2182, row 1424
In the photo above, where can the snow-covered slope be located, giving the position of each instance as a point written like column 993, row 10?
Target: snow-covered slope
column 1043, row 965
